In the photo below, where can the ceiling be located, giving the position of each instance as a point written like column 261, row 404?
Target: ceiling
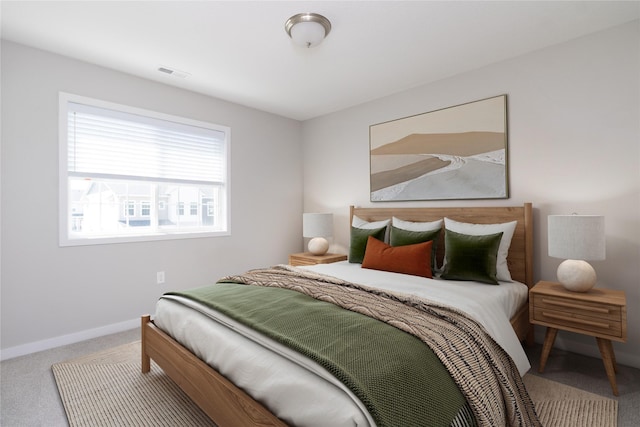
column 238, row 50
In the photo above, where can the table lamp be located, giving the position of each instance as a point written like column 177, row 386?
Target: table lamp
column 577, row 239
column 317, row 226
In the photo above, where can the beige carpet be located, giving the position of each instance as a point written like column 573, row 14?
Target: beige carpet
column 107, row 389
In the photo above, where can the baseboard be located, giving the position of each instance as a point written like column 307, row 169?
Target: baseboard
column 590, row 348
column 34, row 347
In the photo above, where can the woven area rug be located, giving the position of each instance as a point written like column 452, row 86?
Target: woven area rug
column 564, row 406
column 108, row 389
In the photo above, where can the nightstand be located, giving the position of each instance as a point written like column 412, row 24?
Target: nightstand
column 307, row 258
column 601, row 313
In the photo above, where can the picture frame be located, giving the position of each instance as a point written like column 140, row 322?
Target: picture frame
column 457, row 152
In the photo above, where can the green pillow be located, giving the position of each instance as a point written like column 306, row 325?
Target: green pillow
column 471, row 257
column 359, row 238
column 402, row 237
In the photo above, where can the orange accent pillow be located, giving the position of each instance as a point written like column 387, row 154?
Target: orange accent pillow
column 409, row 259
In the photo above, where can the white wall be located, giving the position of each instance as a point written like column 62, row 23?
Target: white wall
column 53, row 295
column 574, row 146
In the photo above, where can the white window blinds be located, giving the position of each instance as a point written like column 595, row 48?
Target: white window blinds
column 126, row 174
column 113, row 144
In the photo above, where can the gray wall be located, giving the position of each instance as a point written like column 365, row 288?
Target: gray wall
column 574, row 146
column 53, row 295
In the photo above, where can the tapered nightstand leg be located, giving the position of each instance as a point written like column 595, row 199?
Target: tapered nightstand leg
column 609, row 360
column 549, row 339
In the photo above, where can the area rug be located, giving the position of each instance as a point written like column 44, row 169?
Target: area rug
column 108, row 389
column 564, row 406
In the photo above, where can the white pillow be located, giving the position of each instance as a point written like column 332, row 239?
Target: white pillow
column 416, row 226
column 507, row 229
column 361, row 223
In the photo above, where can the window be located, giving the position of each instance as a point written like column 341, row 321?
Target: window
column 129, row 208
column 128, row 174
column 145, row 208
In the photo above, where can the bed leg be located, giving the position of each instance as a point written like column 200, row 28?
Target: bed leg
column 146, row 360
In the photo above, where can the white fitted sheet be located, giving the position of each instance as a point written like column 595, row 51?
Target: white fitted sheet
column 296, row 389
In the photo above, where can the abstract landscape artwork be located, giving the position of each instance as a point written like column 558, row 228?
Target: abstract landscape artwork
column 457, row 152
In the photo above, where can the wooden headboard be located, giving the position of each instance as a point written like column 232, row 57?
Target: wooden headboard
column 520, row 258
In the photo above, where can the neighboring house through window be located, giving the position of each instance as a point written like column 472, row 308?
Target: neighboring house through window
column 129, row 208
column 127, row 174
column 145, row 208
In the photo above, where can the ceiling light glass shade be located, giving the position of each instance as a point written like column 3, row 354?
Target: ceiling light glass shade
column 577, row 239
column 307, row 29
column 318, row 226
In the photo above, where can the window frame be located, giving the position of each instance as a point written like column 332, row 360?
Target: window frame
column 65, row 221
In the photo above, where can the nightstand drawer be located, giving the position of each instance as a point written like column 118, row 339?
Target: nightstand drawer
column 578, row 322
column 579, row 308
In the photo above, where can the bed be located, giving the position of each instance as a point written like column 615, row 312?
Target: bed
column 230, row 404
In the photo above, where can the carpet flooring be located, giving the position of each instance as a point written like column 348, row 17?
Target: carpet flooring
column 107, row 389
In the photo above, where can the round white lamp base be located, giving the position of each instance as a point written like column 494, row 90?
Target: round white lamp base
column 576, row 275
column 318, row 246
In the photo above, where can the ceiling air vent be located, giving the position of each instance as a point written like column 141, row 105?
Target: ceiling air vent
column 173, row 72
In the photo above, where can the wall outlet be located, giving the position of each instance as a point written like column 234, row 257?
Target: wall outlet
column 160, row 277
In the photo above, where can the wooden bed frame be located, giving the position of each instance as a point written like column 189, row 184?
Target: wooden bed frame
column 228, row 405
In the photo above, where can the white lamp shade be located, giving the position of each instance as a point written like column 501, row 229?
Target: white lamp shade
column 576, row 238
column 317, row 224
column 579, row 237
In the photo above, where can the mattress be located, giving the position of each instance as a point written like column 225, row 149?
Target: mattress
column 292, row 386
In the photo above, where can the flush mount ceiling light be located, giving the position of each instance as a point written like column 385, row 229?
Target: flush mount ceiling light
column 307, row 29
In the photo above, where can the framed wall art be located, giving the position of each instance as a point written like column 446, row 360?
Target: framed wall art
column 458, row 152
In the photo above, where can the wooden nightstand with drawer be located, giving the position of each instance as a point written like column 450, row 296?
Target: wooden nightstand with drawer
column 601, row 313
column 307, row 258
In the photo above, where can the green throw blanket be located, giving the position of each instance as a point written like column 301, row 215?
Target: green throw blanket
column 400, row 380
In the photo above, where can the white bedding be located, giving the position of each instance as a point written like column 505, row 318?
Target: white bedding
column 291, row 386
